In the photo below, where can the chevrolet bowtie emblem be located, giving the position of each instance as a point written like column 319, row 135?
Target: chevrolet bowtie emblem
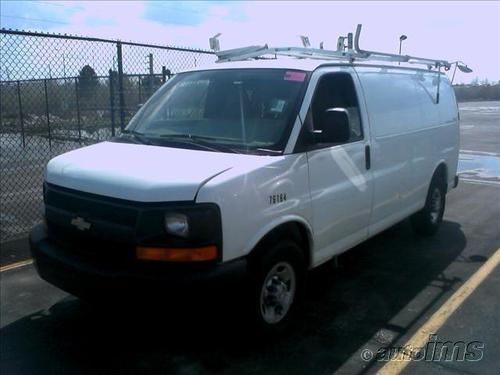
column 80, row 223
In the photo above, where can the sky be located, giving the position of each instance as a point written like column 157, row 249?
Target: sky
column 452, row 30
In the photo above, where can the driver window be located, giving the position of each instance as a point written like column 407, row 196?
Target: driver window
column 335, row 90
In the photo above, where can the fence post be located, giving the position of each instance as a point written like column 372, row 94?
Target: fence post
column 47, row 112
column 77, row 98
column 139, row 85
column 120, row 84
column 21, row 117
column 112, row 101
column 151, row 75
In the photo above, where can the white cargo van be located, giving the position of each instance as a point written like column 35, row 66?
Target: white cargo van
column 265, row 168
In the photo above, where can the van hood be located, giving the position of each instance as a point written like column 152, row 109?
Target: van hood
column 141, row 173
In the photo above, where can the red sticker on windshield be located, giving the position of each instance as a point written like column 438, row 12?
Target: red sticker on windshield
column 295, row 76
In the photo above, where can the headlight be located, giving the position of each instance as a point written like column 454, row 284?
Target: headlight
column 180, row 225
column 177, row 224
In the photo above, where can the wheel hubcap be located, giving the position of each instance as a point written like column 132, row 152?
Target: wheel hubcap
column 436, row 202
column 278, row 292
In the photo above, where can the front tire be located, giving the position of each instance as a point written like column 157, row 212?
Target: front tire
column 278, row 284
column 426, row 222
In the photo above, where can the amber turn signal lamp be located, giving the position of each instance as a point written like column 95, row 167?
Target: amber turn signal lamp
column 193, row 254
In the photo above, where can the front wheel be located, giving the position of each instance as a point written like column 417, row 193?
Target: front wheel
column 278, row 284
column 427, row 221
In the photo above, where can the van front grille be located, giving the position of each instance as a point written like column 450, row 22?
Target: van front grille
column 88, row 221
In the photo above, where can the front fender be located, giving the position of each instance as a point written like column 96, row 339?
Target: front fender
column 269, row 227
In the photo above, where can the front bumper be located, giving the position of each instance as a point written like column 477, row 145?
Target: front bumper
column 91, row 276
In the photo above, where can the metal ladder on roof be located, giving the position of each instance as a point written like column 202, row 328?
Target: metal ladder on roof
column 348, row 52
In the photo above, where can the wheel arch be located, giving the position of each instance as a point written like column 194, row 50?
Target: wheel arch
column 441, row 170
column 294, row 228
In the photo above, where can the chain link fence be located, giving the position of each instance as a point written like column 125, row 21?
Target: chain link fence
column 59, row 93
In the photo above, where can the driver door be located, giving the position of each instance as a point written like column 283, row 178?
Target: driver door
column 340, row 175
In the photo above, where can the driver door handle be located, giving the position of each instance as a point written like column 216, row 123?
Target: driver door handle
column 368, row 160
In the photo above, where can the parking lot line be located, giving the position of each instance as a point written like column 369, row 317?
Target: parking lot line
column 431, row 326
column 16, row 265
column 480, row 182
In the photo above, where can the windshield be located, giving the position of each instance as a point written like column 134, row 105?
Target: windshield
column 248, row 110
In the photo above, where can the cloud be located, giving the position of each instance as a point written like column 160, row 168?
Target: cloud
column 183, row 14
column 92, row 21
column 27, row 14
column 193, row 13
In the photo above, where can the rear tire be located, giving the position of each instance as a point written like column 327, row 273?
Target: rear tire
column 426, row 222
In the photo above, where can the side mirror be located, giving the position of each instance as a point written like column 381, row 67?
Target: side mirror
column 335, row 126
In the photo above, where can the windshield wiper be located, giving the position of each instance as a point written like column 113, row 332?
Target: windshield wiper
column 202, row 141
column 269, row 151
column 137, row 136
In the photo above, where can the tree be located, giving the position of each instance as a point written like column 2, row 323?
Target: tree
column 485, row 82
column 478, row 92
column 87, row 81
column 151, row 84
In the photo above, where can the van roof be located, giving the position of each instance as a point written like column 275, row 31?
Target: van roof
column 291, row 63
column 280, row 63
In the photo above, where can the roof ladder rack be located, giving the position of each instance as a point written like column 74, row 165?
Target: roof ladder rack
column 343, row 53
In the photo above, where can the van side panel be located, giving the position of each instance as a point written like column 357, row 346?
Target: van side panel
column 438, row 134
column 411, row 135
column 393, row 110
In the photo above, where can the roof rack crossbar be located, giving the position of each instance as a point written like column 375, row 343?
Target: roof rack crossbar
column 241, row 53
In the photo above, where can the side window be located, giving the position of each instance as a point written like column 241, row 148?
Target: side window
column 335, row 91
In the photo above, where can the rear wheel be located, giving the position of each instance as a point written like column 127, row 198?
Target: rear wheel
column 427, row 221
